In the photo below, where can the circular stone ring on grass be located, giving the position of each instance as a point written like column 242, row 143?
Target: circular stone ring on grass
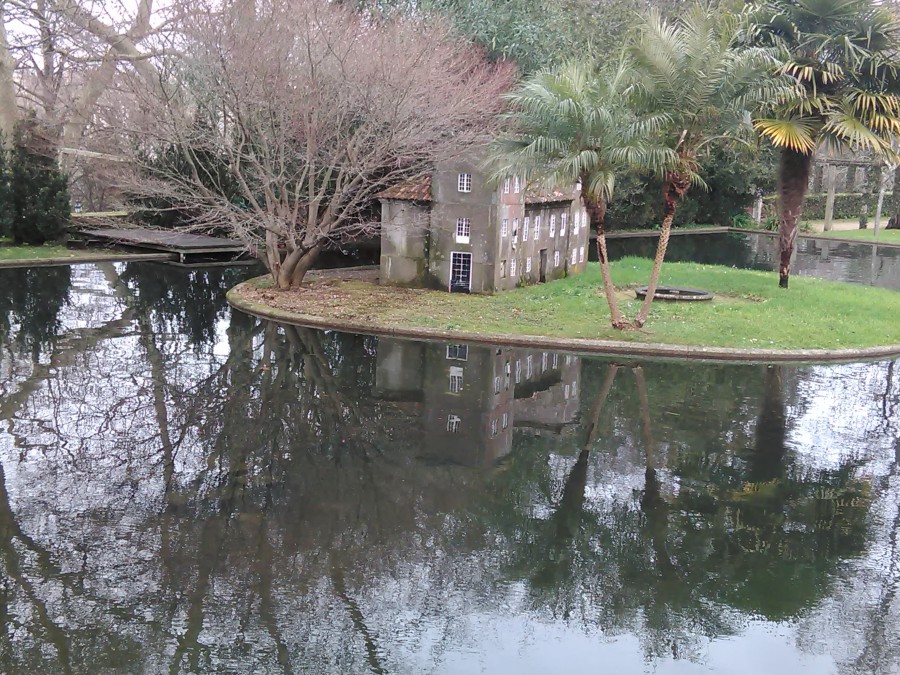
column 675, row 293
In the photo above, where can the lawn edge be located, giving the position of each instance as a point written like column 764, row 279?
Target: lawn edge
column 581, row 345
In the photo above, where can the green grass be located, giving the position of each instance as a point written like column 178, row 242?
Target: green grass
column 749, row 309
column 885, row 236
column 45, row 252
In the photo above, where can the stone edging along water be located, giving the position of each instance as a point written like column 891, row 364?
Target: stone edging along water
column 582, row 345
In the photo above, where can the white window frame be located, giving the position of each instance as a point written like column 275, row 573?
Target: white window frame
column 528, row 265
column 574, row 388
column 453, row 423
column 518, row 371
column 504, row 227
column 505, row 421
column 506, row 183
column 581, row 254
column 458, row 352
column 456, row 380
column 566, row 392
column 529, row 366
column 507, row 376
column 544, row 361
column 577, row 223
column 493, row 427
column 502, row 269
column 555, row 361
column 574, row 256
column 463, row 230
column 526, row 225
column 537, row 227
column 496, row 384
column 553, row 225
column 556, row 258
column 512, row 268
column 464, row 182
column 516, row 184
column 562, row 224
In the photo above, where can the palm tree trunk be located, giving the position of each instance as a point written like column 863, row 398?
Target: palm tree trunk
column 793, row 180
column 674, row 188
column 597, row 211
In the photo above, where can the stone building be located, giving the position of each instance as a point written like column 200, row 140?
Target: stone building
column 467, row 399
column 452, row 230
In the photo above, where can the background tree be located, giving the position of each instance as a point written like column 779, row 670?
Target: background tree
column 38, row 191
column 572, row 125
column 693, row 72
column 314, row 110
column 842, row 55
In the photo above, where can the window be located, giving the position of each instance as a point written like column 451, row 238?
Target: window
column 464, row 182
column 518, row 371
column 566, row 392
column 456, row 379
column 512, row 267
column 515, row 234
column 555, row 361
column 507, row 377
column 537, row 227
column 577, row 223
column 504, row 227
column 505, row 420
column 556, row 258
column 574, row 388
column 574, row 256
column 568, row 359
column 516, row 184
column 562, row 225
column 581, row 254
column 493, row 428
column 463, row 228
column 453, row 423
column 506, row 183
column 458, row 352
column 460, row 272
column 529, row 366
column 526, row 224
column 497, row 385
column 528, row 265
column 502, row 269
column 553, row 225
column 544, row 360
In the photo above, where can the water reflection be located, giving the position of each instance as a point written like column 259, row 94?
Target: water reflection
column 249, row 497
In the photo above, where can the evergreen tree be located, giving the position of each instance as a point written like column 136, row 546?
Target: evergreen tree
column 6, row 206
column 38, row 190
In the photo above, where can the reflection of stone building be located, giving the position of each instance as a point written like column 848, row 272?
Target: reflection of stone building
column 451, row 231
column 471, row 397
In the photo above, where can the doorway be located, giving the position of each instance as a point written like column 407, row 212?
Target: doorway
column 460, row 272
column 542, row 268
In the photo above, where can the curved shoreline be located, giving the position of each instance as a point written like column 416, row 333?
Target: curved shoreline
column 581, row 345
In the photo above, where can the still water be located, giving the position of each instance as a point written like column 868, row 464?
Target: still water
column 184, row 489
column 859, row 263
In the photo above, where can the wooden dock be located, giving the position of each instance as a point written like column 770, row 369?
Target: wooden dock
column 184, row 246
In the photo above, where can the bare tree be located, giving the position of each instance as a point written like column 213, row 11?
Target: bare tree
column 289, row 116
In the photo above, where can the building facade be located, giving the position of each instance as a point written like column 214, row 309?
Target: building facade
column 453, row 231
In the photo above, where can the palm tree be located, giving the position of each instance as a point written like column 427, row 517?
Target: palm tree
column 842, row 54
column 572, row 124
column 693, row 72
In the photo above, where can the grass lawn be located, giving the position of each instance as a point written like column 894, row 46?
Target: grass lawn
column 749, row 309
column 885, row 236
column 8, row 252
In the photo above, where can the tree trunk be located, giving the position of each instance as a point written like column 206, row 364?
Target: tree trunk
column 831, row 173
column 597, row 211
column 793, row 180
column 674, row 189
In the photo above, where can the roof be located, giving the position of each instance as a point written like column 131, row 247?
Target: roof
column 416, row 189
column 536, row 196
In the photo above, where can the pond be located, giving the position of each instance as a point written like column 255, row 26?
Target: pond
column 860, row 263
column 186, row 489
